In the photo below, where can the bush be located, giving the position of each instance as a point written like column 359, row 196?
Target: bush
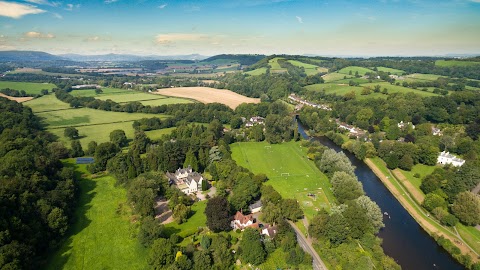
column 417, row 175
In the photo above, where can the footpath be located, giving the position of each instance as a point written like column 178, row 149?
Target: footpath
column 424, row 221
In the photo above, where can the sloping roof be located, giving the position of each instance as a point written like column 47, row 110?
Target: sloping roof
column 85, row 160
column 243, row 219
column 255, row 205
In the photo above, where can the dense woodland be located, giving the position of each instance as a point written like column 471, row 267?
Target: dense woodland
column 37, row 194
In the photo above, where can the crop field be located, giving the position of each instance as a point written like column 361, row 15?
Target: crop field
column 30, row 88
column 17, row 99
column 450, row 63
column 124, row 96
column 334, row 76
column 47, row 103
column 256, row 72
column 166, row 101
column 391, row 70
column 102, row 236
column 289, row 171
column 208, row 95
column 361, row 70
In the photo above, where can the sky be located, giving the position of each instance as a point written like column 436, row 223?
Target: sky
column 210, row 27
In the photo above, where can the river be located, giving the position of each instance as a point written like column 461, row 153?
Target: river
column 403, row 239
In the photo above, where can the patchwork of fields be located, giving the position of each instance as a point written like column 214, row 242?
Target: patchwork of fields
column 29, row 88
column 289, row 171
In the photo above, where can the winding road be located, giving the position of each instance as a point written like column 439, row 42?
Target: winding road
column 306, row 245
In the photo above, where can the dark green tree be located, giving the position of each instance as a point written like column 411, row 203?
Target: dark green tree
column 162, row 254
column 251, row 248
column 71, row 133
column 118, row 138
column 218, row 216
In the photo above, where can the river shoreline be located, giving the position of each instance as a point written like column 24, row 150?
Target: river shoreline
column 425, row 224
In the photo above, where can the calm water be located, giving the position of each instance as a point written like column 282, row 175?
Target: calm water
column 403, row 239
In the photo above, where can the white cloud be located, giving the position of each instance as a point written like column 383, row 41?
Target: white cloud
column 299, row 19
column 175, row 37
column 56, row 15
column 110, row 1
column 96, row 39
column 44, row 2
column 33, row 34
column 71, row 7
column 16, row 10
column 162, row 6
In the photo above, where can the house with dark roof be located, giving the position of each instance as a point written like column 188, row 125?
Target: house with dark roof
column 255, row 207
column 186, row 180
column 270, row 231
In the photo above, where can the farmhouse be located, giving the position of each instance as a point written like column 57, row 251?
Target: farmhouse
column 447, row 158
column 255, row 120
column 241, row 221
column 186, row 180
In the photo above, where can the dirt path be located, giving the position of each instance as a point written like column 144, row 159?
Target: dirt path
column 417, row 195
column 421, row 220
column 17, row 99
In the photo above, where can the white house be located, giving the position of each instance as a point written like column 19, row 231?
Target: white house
column 403, row 125
column 186, row 180
column 241, row 221
column 447, row 158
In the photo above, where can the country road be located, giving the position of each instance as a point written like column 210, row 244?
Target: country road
column 307, row 247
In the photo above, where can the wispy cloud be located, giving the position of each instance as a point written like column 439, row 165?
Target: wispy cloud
column 299, row 19
column 163, row 6
column 33, row 34
column 56, row 15
column 16, row 10
column 97, row 39
column 165, row 39
column 71, row 7
column 110, row 1
column 44, row 2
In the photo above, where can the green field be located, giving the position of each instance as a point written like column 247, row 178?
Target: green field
column 124, row 96
column 47, row 103
column 30, row 88
column 167, row 101
column 361, row 70
column 391, row 70
column 276, row 260
column 421, row 169
column 105, row 91
column 102, row 237
column 289, row 171
column 256, row 72
column 398, row 88
column 423, row 77
column 451, row 63
column 334, row 76
column 157, row 134
column 198, row 219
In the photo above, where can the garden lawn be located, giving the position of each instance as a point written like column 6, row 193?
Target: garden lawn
column 47, row 103
column 289, row 171
column 361, row 70
column 422, row 170
column 198, row 219
column 30, row 88
column 102, row 235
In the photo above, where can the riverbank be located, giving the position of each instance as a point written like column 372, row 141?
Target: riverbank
column 430, row 226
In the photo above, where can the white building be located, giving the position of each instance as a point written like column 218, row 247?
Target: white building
column 186, row 180
column 403, row 125
column 270, row 231
column 255, row 207
column 447, row 158
column 241, row 221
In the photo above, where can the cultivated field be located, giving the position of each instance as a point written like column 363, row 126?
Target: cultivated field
column 208, row 95
column 125, row 95
column 29, row 88
column 17, row 99
column 102, row 236
column 289, row 171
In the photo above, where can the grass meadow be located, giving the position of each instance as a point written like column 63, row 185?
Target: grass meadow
column 451, row 63
column 353, row 69
column 30, row 88
column 256, row 72
column 334, row 76
column 124, row 96
column 102, row 235
column 47, row 103
column 196, row 220
column 289, row 172
column 391, row 70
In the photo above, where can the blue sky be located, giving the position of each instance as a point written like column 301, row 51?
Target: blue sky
column 166, row 27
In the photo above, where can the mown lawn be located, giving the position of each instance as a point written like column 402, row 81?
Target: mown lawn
column 102, row 236
column 198, row 219
column 289, row 172
column 30, row 88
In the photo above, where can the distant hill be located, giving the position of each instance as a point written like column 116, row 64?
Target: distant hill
column 26, row 56
column 129, row 57
column 243, row 59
